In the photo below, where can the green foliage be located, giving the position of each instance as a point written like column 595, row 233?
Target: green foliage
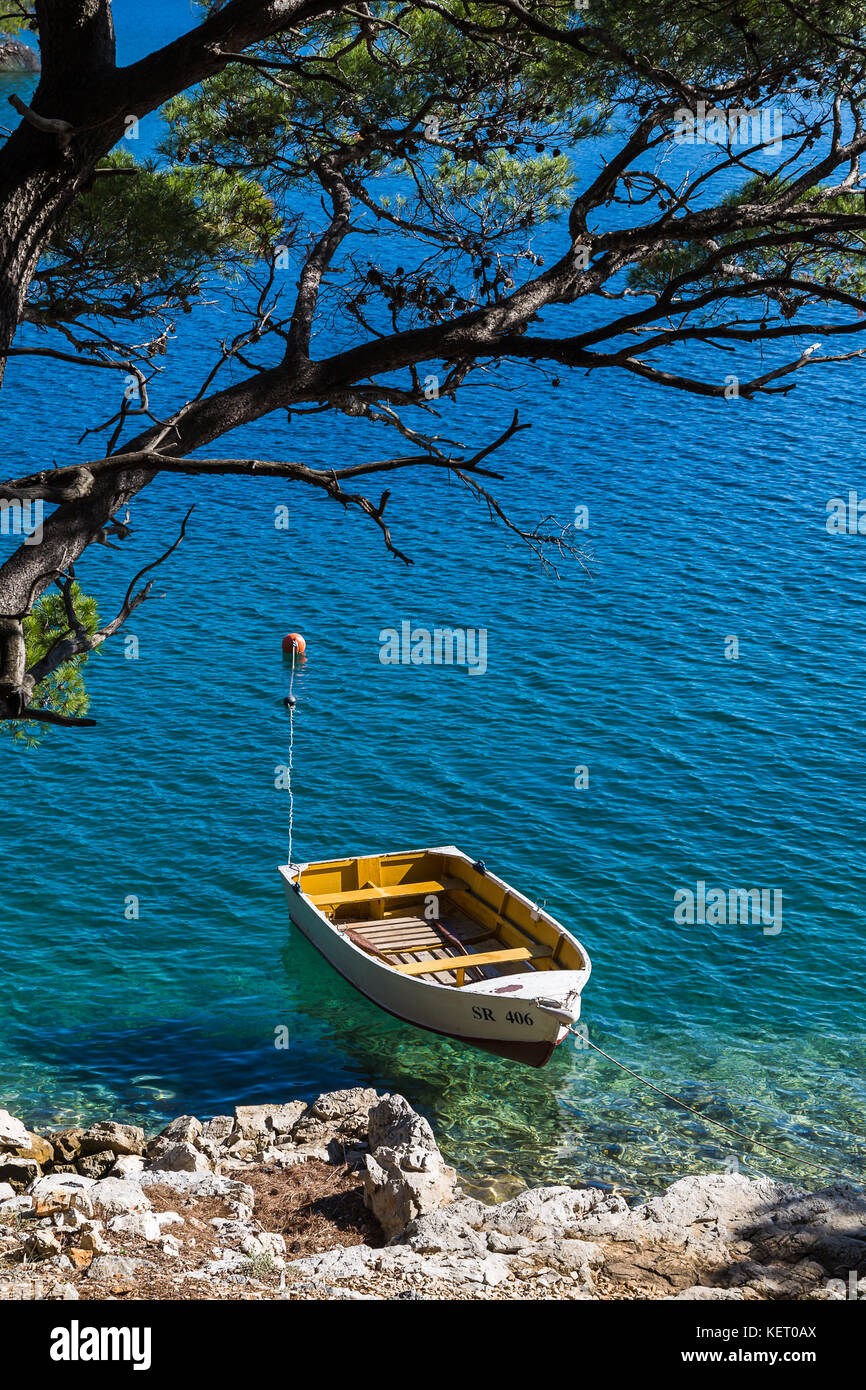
column 454, row 129
column 710, row 40
column 430, row 130
column 834, row 259
column 260, row 1266
column 64, row 690
column 500, row 191
column 355, row 97
column 504, row 102
column 17, row 17
column 149, row 240
column 247, row 148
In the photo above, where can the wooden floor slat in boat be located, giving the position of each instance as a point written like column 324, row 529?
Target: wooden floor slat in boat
column 441, row 953
column 413, row 934
column 410, row 939
column 418, row 943
column 385, row 928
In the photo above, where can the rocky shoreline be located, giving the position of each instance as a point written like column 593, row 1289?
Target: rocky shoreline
column 16, row 56
column 349, row 1197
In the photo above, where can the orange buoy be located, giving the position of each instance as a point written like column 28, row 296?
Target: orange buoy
column 293, row 641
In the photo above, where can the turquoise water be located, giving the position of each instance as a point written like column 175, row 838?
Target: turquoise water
column 707, row 520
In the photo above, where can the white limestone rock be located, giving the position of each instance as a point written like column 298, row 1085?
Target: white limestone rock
column 21, row 1202
column 507, row 1243
column 451, row 1268
column 341, row 1115
column 116, row 1196
column 438, row 1233
column 265, row 1125
column 169, row 1218
column 184, row 1130
column 54, row 1186
column 74, row 1219
column 17, row 1172
column 343, row 1262
column 406, row 1175
column 217, row 1129
column 568, row 1256
column 182, row 1157
column 550, row 1212
column 713, row 1203
column 115, row 1267
column 237, row 1150
column 230, row 1263
column 264, row 1243
column 702, row 1293
column 137, row 1223
column 127, row 1166
column 13, row 1134
column 93, row 1239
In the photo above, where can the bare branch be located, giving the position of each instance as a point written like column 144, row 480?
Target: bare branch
column 78, row 640
column 51, row 126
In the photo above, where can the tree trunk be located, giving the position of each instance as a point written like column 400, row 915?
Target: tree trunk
column 39, row 173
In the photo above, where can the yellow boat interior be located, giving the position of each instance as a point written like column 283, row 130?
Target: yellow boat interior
column 431, row 915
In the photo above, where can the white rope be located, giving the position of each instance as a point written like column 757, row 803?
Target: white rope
column 291, row 793
column 291, row 754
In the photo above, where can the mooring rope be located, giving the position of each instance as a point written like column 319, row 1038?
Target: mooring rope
column 291, row 705
column 707, row 1119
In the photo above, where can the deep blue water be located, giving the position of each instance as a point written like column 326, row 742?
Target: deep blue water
column 707, row 520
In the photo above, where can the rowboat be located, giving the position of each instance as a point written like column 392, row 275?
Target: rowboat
column 439, row 941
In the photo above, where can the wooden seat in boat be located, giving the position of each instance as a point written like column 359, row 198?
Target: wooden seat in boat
column 371, row 893
column 459, row 964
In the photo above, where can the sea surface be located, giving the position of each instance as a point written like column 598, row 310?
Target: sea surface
column 148, row 967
